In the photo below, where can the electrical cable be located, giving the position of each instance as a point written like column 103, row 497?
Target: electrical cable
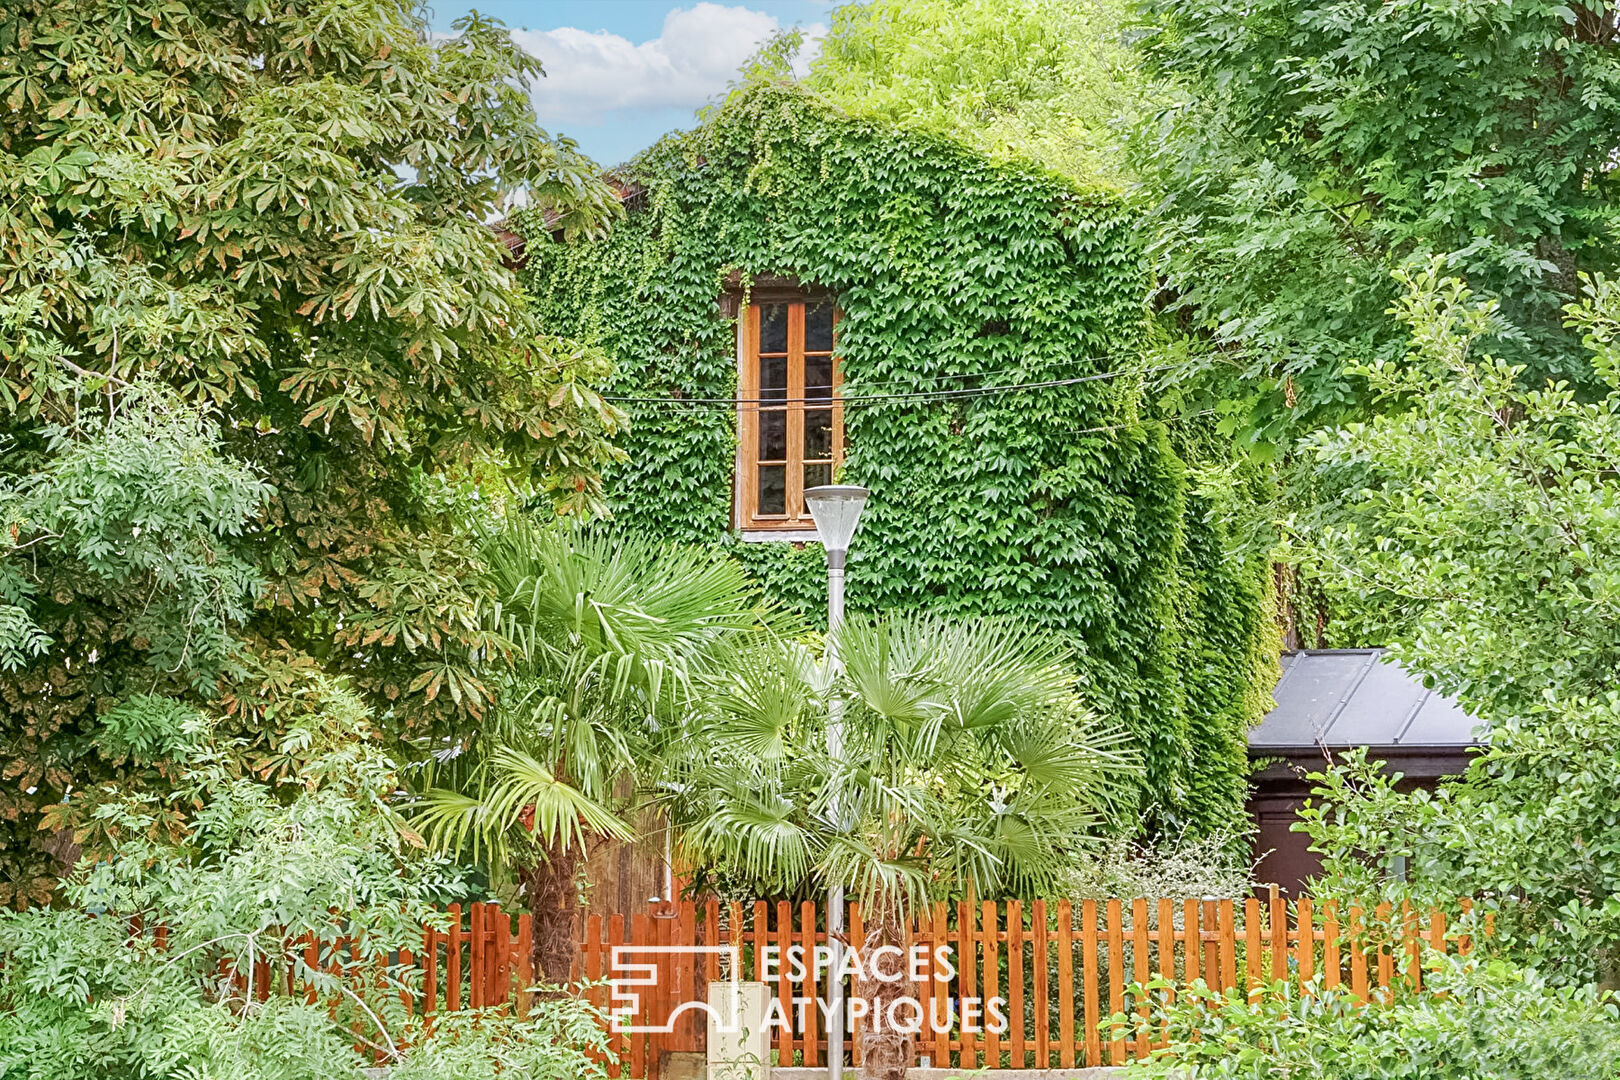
column 865, row 399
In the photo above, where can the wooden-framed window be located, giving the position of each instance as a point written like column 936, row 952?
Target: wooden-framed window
column 790, row 422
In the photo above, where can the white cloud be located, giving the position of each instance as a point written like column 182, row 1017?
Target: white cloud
column 589, row 74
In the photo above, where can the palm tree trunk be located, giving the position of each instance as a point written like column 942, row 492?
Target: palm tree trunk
column 886, row 1054
column 553, row 900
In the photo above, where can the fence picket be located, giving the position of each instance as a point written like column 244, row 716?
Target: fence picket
column 713, row 937
column 808, row 987
column 500, row 990
column 1228, row 944
column 1015, row 983
column 784, row 990
column 1116, row 975
column 1358, row 954
column 1305, row 940
column 1065, row 929
column 965, row 980
column 619, row 1044
column 1192, row 939
column 857, row 932
column 525, row 962
column 1330, row 945
column 452, row 969
column 942, row 1038
column 1042, row 1014
column 991, row 982
column 1210, row 944
column 687, row 983
column 1092, row 975
column 1279, row 936
column 1139, row 959
column 1386, row 956
column 477, row 978
column 1251, row 945
column 1414, row 944
column 640, row 930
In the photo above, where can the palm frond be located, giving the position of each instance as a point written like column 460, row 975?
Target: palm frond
column 876, row 881
column 515, row 794
column 763, row 839
column 562, row 814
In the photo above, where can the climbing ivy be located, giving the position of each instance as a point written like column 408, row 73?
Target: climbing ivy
column 1068, row 505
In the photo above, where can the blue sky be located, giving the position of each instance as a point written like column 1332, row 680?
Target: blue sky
column 620, row 73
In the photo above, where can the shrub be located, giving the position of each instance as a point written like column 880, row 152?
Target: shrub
column 1177, row 866
column 237, row 871
column 1472, row 1021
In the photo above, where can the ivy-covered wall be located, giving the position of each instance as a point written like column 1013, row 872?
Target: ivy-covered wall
column 1058, row 504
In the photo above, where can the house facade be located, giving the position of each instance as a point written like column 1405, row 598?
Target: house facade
column 795, row 296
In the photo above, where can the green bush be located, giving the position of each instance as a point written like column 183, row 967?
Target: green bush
column 1171, row 866
column 236, row 871
column 1471, row 1021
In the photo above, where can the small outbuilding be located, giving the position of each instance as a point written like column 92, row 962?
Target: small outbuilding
column 1330, row 701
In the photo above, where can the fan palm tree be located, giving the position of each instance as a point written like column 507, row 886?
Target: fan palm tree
column 608, row 635
column 968, row 767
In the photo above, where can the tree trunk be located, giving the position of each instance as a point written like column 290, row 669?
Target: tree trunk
column 886, row 1054
column 553, row 899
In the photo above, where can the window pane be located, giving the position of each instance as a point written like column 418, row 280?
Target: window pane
column 773, row 489
column 818, row 433
column 818, row 327
column 817, row 474
column 773, row 320
column 773, row 436
column 773, row 379
column 818, row 378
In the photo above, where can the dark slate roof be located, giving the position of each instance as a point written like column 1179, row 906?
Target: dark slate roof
column 1350, row 697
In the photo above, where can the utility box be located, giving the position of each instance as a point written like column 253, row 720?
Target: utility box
column 739, row 1046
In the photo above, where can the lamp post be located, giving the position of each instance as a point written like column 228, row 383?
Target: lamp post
column 836, row 509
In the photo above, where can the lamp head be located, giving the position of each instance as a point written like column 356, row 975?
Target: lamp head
column 836, row 509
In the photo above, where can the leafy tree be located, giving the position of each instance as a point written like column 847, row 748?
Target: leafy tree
column 1477, row 527
column 145, row 505
column 608, row 635
column 277, row 211
column 221, row 874
column 1481, row 518
column 145, row 512
column 966, row 767
column 1048, row 80
column 1308, row 147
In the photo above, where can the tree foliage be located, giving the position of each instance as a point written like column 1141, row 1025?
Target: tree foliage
column 1051, row 81
column 1475, row 524
column 966, row 765
column 1064, row 505
column 223, row 874
column 1480, row 526
column 961, row 764
column 276, row 210
column 1309, row 147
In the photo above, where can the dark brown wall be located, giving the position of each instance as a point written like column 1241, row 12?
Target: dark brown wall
column 1280, row 789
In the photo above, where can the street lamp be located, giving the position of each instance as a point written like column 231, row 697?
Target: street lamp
column 836, row 509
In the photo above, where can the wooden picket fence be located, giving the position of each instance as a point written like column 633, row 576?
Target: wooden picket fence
column 1062, row 967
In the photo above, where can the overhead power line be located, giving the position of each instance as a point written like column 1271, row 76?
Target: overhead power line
column 851, row 400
